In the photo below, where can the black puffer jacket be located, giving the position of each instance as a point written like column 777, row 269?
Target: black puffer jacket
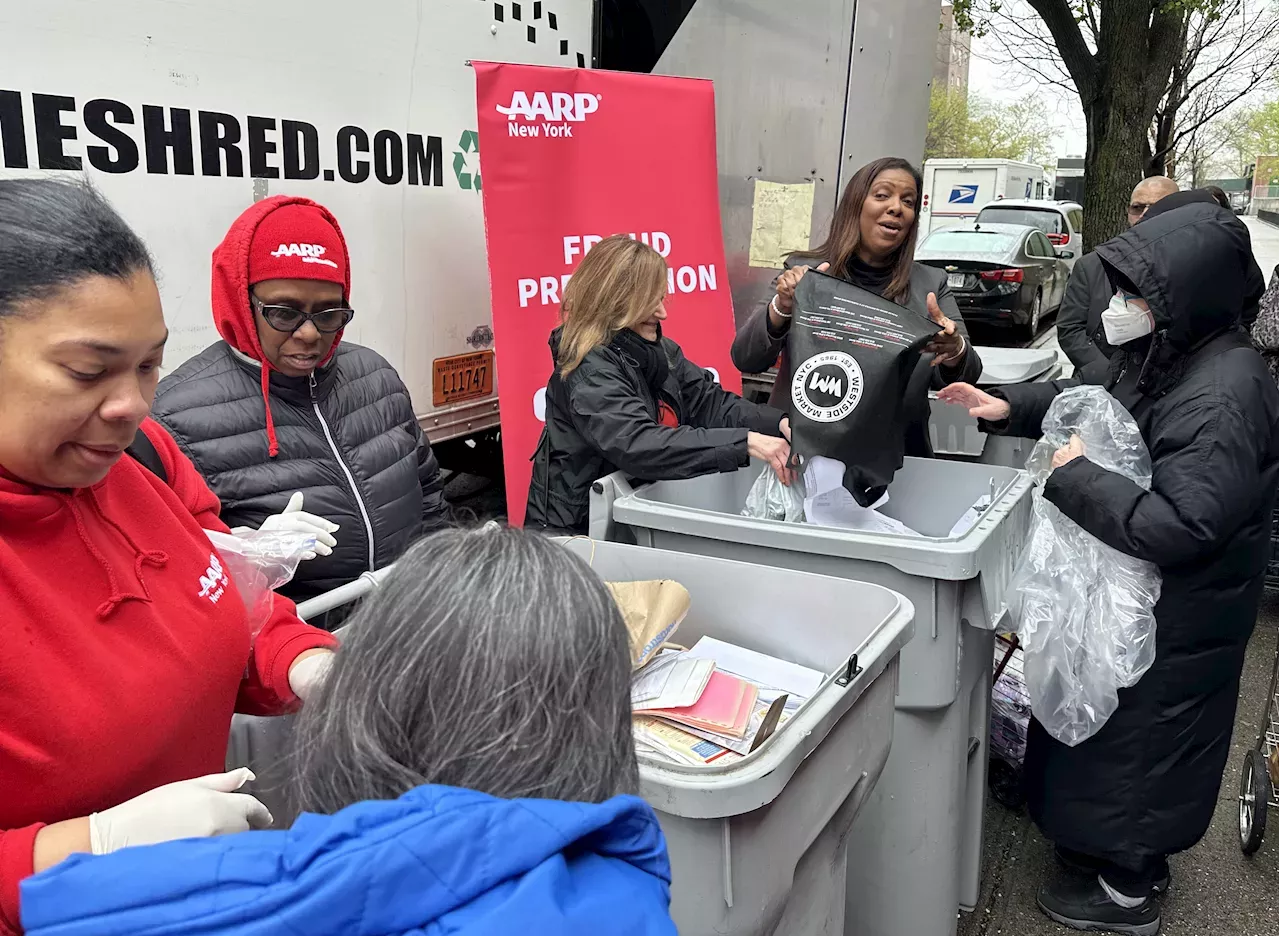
column 1146, row 785
column 350, row 443
column 604, row 417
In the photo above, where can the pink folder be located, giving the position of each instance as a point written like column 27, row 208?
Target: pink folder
column 724, row 707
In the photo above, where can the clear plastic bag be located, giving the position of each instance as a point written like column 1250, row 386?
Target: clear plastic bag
column 1084, row 612
column 258, row 562
column 770, row 499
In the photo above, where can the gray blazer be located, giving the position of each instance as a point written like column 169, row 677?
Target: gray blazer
column 756, row 348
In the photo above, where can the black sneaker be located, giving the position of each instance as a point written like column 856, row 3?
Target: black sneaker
column 1078, row 863
column 1083, row 905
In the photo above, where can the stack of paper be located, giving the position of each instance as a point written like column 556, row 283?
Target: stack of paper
column 672, row 680
column 668, row 742
column 751, row 738
column 725, row 706
column 716, row 702
column 829, row 503
column 760, row 668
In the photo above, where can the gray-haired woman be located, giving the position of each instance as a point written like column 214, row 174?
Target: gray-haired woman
column 491, row 660
column 467, row 764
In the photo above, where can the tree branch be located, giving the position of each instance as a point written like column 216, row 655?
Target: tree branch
column 1092, row 19
column 1203, row 117
column 1077, row 58
column 1166, row 39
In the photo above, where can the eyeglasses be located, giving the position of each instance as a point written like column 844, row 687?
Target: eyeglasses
column 288, row 319
column 1139, row 208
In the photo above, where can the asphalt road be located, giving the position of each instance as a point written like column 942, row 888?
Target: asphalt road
column 1216, row 890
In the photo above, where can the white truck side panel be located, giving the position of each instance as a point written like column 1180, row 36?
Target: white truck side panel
column 1020, row 181
column 393, row 73
column 956, row 194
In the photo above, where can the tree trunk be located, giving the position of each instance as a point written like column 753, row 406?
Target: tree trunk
column 1119, row 110
column 1113, row 161
column 1112, row 167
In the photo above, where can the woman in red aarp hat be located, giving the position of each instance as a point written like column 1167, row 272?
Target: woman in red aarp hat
column 282, row 414
column 126, row 647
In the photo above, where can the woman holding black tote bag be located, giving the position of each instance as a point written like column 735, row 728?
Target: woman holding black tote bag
column 871, row 244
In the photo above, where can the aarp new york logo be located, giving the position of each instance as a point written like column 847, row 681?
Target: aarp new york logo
column 547, row 113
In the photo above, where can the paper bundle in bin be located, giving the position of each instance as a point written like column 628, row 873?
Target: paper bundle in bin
column 714, row 703
column 724, row 706
column 767, row 691
column 688, row 711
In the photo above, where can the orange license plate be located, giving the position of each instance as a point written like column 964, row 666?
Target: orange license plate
column 462, row 377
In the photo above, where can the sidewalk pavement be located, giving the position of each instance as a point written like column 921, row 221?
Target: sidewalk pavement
column 1266, row 244
column 1216, row 890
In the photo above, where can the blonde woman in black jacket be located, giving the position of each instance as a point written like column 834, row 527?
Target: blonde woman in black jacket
column 623, row 397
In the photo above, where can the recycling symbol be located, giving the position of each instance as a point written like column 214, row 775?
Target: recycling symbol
column 469, row 143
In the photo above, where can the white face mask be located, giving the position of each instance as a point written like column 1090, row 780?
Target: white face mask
column 1124, row 320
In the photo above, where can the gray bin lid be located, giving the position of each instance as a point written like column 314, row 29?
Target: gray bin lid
column 1014, row 365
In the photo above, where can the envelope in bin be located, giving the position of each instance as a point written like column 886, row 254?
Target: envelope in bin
column 652, row 611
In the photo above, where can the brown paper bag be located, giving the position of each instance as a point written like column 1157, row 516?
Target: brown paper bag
column 652, row 611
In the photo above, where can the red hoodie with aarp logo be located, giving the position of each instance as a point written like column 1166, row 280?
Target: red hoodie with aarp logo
column 126, row 648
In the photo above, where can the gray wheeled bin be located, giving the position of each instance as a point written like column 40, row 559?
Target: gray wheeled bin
column 759, row 846
column 916, row 848
column 954, row 433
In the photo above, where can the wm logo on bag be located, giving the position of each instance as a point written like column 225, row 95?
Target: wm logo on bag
column 830, row 385
column 827, row 387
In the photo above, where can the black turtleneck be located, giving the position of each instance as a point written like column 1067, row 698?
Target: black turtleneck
column 874, row 279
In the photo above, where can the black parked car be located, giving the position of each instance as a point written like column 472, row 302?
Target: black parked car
column 1001, row 274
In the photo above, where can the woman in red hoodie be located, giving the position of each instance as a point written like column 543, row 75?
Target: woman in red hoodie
column 126, row 648
column 285, row 414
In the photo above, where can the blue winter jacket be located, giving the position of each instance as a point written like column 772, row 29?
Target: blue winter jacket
column 437, row 861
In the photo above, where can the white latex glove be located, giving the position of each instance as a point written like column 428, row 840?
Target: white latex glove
column 305, row 676
column 196, row 808
column 296, row 520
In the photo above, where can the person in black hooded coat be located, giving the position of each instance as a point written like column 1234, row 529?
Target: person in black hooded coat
column 1145, row 786
column 623, row 397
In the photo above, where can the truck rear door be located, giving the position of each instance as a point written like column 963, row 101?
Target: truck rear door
column 958, row 193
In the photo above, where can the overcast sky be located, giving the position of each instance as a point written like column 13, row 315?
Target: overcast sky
column 1011, row 82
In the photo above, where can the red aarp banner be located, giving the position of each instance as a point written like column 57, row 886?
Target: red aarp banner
column 569, row 156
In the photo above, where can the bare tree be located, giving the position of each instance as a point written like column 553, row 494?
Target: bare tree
column 1229, row 51
column 1150, row 74
column 1118, row 55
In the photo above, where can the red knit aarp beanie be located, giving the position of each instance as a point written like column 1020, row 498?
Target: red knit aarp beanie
column 297, row 242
